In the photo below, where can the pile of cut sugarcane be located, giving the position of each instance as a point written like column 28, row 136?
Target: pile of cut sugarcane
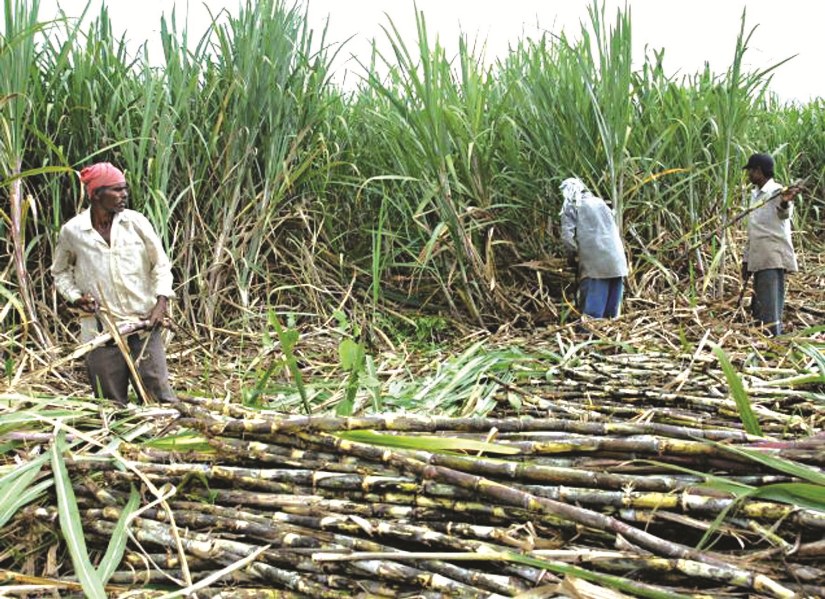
column 242, row 503
column 688, row 390
column 621, row 461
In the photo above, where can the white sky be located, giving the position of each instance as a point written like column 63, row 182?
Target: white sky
column 692, row 33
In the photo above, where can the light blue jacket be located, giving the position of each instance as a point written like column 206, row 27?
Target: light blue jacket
column 588, row 229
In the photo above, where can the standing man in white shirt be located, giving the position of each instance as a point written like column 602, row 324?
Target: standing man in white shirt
column 590, row 235
column 769, row 252
column 109, row 258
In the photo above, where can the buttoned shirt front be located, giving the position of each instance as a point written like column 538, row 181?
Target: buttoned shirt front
column 769, row 231
column 125, row 277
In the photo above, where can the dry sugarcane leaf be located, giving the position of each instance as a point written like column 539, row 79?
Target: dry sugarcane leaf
column 576, row 588
column 547, row 591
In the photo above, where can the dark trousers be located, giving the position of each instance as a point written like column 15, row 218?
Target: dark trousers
column 601, row 298
column 769, row 298
column 109, row 374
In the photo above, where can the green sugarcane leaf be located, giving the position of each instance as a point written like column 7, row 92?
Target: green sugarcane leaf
column 13, row 502
column 371, row 382
column 816, row 354
column 346, row 406
column 608, row 580
column 14, row 491
column 288, row 338
column 734, row 488
column 11, row 297
column 37, row 418
column 352, row 357
column 34, row 492
column 738, row 490
column 720, row 519
column 798, row 494
column 426, row 442
column 740, row 396
column 799, row 380
column 181, row 442
column 796, row 469
column 20, row 471
column 117, row 544
column 351, row 354
column 810, row 331
column 70, row 526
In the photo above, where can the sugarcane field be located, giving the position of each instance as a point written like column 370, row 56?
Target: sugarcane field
column 551, row 326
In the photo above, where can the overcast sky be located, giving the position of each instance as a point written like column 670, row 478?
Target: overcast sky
column 691, row 33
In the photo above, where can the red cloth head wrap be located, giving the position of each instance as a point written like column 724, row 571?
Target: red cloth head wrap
column 101, row 174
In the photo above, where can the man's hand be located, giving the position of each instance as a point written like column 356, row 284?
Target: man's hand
column 572, row 260
column 158, row 313
column 86, row 303
column 788, row 195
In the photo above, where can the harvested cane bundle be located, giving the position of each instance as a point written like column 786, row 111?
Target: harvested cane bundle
column 631, row 471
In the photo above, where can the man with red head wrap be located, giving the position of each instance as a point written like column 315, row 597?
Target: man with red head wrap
column 109, row 258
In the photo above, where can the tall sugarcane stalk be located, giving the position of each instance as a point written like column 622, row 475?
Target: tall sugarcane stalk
column 17, row 50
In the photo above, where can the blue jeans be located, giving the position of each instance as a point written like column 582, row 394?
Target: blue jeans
column 601, row 298
column 769, row 298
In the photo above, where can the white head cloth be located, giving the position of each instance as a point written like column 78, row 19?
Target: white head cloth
column 573, row 191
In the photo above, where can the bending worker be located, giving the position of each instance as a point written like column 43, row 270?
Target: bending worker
column 590, row 236
column 109, row 258
column 769, row 252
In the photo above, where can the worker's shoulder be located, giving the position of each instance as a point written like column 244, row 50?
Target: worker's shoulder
column 135, row 216
column 771, row 186
column 129, row 214
column 79, row 221
column 593, row 201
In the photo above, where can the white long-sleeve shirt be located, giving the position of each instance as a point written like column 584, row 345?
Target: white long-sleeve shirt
column 125, row 277
column 589, row 229
column 769, row 232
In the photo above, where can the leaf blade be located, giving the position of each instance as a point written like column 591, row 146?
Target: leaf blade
column 740, row 396
column 70, row 525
